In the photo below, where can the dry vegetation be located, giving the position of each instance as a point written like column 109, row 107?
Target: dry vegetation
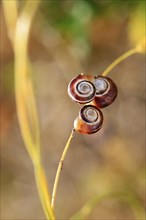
column 107, row 168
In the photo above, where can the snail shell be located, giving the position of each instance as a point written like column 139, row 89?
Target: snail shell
column 89, row 121
column 81, row 89
column 106, row 91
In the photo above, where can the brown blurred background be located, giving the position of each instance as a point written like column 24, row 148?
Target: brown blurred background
column 67, row 38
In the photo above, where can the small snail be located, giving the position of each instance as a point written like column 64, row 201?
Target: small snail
column 81, row 89
column 106, row 91
column 96, row 92
column 89, row 121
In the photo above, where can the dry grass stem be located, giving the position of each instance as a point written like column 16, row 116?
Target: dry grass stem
column 60, row 166
column 119, row 60
column 25, row 101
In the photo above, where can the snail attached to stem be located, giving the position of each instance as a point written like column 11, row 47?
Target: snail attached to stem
column 106, row 91
column 89, row 121
column 95, row 92
column 81, row 89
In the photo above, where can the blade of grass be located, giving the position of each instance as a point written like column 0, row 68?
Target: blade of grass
column 11, row 18
column 25, row 101
column 130, row 199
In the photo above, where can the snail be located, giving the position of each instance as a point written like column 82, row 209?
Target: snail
column 81, row 89
column 89, row 121
column 95, row 92
column 106, row 91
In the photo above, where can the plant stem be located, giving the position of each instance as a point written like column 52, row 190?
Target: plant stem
column 60, row 166
column 41, row 183
column 125, row 196
column 120, row 59
column 25, row 100
column 11, row 18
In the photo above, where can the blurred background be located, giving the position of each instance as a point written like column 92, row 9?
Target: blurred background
column 67, row 38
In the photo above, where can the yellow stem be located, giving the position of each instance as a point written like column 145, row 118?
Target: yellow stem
column 25, row 101
column 22, row 81
column 60, row 166
column 120, row 59
column 42, row 187
column 11, row 12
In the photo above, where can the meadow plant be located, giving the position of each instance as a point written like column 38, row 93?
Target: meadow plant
column 19, row 25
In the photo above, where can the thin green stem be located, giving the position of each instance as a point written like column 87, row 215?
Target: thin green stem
column 60, row 166
column 119, row 60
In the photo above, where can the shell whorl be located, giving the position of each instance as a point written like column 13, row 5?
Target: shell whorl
column 81, row 90
column 95, row 92
column 106, row 91
column 101, row 85
column 89, row 121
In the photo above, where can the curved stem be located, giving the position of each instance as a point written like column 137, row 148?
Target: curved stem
column 25, row 102
column 42, row 187
column 60, row 166
column 10, row 18
column 127, row 197
column 119, row 60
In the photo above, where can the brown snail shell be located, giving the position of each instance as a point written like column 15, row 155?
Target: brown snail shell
column 81, row 89
column 106, row 91
column 89, row 121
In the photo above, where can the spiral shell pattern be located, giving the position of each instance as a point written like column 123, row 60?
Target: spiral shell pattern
column 89, row 121
column 95, row 92
column 81, row 89
column 106, row 91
